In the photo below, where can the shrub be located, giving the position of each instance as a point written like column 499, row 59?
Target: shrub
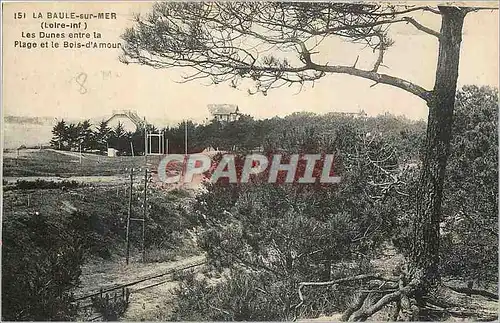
column 470, row 225
column 44, row 184
column 239, row 296
column 41, row 259
column 272, row 237
column 111, row 309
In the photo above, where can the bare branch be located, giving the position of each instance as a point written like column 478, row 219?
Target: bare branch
column 355, row 62
column 412, row 9
column 476, row 9
column 433, row 10
column 382, row 45
column 423, row 28
column 379, row 78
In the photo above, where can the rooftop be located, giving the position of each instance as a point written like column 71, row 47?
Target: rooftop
column 222, row 108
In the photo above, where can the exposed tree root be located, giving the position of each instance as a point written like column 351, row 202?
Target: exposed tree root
column 356, row 306
column 456, row 302
column 471, row 291
column 440, row 303
column 395, row 312
column 364, row 313
column 442, row 313
column 366, row 277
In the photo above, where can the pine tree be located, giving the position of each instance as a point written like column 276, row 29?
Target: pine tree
column 85, row 134
column 59, row 135
column 102, row 136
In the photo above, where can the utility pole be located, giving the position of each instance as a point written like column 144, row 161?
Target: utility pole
column 145, row 143
column 185, row 137
column 144, row 215
column 128, row 215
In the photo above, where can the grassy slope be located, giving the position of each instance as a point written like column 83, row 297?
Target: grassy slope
column 52, row 163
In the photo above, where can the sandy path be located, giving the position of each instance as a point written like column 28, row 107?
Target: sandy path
column 110, row 274
column 146, row 303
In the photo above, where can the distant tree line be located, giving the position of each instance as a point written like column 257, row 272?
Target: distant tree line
column 297, row 132
column 82, row 135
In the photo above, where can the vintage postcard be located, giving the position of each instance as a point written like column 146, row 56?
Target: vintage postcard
column 249, row 161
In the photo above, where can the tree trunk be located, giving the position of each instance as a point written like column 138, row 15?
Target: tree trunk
column 424, row 251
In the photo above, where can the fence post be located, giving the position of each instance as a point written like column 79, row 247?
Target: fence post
column 128, row 215
column 107, row 308
column 144, row 215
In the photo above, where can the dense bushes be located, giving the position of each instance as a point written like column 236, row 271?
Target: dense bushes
column 111, row 308
column 45, row 244
column 267, row 238
column 41, row 259
column 166, row 227
column 238, row 296
column 42, row 184
column 270, row 237
column 250, row 295
column 166, row 222
column 470, row 225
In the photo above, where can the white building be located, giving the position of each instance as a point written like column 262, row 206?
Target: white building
column 224, row 112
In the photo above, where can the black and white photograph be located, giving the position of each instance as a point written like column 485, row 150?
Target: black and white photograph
column 300, row 161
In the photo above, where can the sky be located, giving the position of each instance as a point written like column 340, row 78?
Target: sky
column 44, row 82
